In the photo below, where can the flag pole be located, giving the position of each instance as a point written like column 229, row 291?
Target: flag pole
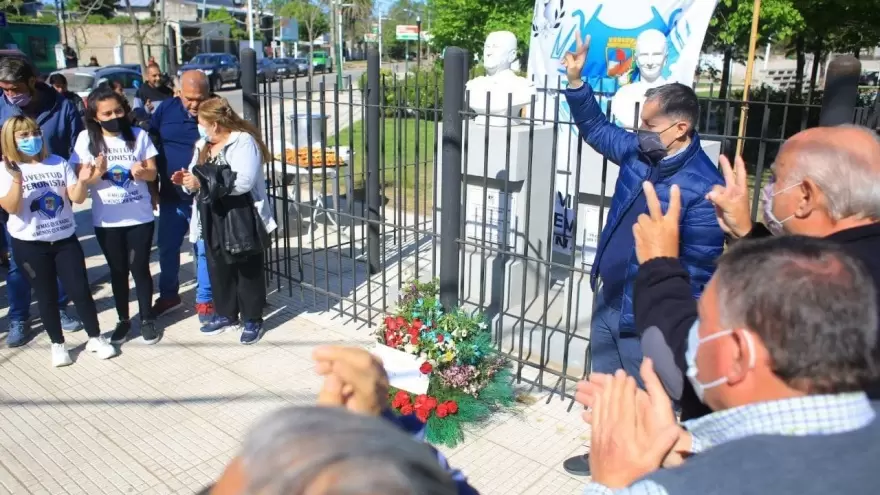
column 750, row 67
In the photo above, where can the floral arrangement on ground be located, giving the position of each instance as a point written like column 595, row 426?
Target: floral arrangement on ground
column 468, row 380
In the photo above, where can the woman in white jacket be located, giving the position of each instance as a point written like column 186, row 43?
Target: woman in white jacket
column 239, row 286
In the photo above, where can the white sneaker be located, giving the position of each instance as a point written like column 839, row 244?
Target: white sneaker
column 102, row 348
column 60, row 356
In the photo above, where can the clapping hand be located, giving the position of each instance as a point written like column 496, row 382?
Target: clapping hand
column 190, row 181
column 88, row 173
column 732, row 201
column 100, row 164
column 353, row 378
column 656, row 234
column 13, row 169
column 138, row 170
column 177, row 178
column 631, row 436
column 574, row 61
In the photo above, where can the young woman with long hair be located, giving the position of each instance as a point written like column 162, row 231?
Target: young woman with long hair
column 122, row 211
column 237, row 279
column 36, row 190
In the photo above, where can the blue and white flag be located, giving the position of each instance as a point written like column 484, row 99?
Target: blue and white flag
column 612, row 63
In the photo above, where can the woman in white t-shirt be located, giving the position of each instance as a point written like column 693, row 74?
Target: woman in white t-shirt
column 37, row 189
column 122, row 210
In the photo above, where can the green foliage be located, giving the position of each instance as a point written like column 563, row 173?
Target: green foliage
column 732, row 24
column 466, row 24
column 400, row 95
column 312, row 17
column 236, row 31
column 26, row 19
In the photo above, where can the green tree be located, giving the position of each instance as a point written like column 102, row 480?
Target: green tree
column 311, row 15
column 466, row 23
column 730, row 29
column 236, row 30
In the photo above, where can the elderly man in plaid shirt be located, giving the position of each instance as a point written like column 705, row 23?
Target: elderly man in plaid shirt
column 781, row 352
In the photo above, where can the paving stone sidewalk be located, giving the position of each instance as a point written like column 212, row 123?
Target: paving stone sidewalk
column 165, row 419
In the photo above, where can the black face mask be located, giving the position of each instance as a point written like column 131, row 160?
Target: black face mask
column 115, row 125
column 652, row 146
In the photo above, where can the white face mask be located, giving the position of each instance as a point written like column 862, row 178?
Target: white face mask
column 690, row 357
column 774, row 224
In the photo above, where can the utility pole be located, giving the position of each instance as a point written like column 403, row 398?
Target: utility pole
column 380, row 39
column 165, row 57
column 250, row 21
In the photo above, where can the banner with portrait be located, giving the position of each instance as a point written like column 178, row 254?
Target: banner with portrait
column 665, row 37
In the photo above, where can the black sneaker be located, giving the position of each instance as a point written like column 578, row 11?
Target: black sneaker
column 121, row 331
column 577, row 465
column 149, row 332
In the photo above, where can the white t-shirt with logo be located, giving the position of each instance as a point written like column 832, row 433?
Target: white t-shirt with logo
column 118, row 200
column 45, row 213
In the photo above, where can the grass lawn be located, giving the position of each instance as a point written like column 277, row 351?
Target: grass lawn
column 399, row 160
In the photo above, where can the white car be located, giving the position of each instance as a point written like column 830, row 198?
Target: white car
column 83, row 80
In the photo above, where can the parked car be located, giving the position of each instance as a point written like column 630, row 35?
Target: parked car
column 323, row 62
column 134, row 67
column 221, row 68
column 284, row 67
column 83, row 80
column 870, row 78
column 266, row 70
column 302, row 66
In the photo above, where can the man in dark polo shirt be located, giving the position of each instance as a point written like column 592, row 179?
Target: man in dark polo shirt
column 152, row 93
column 175, row 130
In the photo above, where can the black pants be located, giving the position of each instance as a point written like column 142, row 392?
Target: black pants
column 43, row 263
column 239, row 288
column 127, row 249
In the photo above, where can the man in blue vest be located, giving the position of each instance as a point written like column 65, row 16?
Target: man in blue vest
column 61, row 124
column 175, row 129
column 664, row 151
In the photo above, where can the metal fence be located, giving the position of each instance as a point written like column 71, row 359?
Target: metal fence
column 366, row 202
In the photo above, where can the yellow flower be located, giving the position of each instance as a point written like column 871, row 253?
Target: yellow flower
column 449, row 356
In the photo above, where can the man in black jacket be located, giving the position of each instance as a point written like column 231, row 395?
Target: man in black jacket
column 825, row 184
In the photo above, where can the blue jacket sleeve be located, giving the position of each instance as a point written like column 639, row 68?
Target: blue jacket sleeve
column 701, row 244
column 607, row 139
column 75, row 124
column 416, row 428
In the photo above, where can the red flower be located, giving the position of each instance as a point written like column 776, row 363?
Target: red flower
column 440, row 337
column 414, row 339
column 406, row 409
column 426, row 368
column 442, row 410
column 423, row 415
column 451, row 406
column 401, row 323
column 416, row 325
column 390, row 323
column 400, row 399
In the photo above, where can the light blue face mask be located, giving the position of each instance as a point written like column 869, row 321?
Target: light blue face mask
column 30, row 146
column 690, row 357
column 203, row 133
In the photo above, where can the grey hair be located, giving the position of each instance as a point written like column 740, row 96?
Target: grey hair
column 849, row 179
column 813, row 306
column 16, row 70
column 677, row 101
column 345, row 453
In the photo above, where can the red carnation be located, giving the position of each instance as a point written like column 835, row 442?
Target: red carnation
column 420, row 400
column 426, row 368
column 423, row 415
column 400, row 399
column 442, row 410
column 451, row 406
column 414, row 339
column 406, row 409
column 440, row 337
column 400, row 322
column 417, row 325
column 390, row 324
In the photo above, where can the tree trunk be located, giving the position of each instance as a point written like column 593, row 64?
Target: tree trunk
column 800, row 53
column 725, row 73
column 814, row 73
column 139, row 40
column 311, row 53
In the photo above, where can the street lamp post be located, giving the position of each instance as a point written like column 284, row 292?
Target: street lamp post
column 339, row 58
column 419, row 45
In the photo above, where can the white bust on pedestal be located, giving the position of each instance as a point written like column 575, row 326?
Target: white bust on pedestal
column 500, row 82
column 651, row 54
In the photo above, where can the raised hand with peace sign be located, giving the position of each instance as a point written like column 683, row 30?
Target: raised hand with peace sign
column 574, row 61
column 732, row 201
column 656, row 234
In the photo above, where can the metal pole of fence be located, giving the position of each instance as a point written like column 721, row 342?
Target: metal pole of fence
column 250, row 102
column 374, row 200
column 455, row 73
column 841, row 91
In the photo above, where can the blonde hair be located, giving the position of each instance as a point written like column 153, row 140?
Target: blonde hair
column 216, row 110
column 9, row 149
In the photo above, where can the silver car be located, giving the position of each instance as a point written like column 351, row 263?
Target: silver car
column 83, row 80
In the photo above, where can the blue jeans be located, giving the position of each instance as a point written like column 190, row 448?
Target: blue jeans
column 203, row 290
column 610, row 348
column 18, row 289
column 173, row 228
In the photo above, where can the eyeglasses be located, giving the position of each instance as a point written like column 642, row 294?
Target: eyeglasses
column 27, row 134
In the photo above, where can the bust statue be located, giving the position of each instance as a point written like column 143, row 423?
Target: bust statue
column 500, row 82
column 652, row 51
